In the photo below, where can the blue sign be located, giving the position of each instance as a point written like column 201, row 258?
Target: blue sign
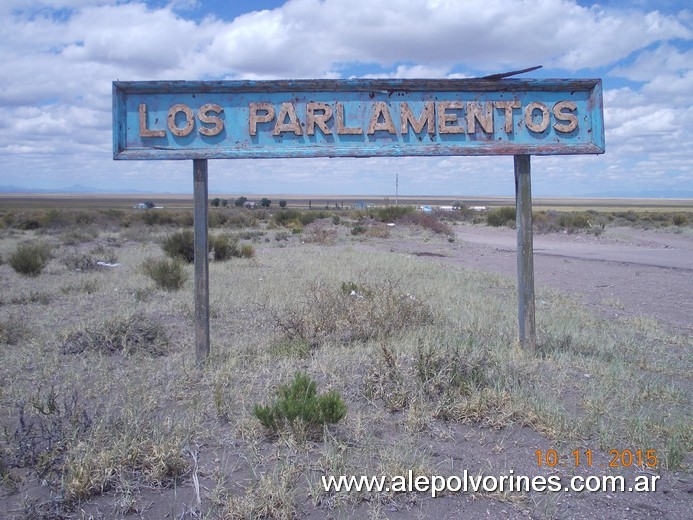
column 356, row 118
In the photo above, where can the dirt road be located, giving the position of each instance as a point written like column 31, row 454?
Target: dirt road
column 622, row 272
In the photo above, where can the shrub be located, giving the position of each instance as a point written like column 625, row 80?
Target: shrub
column 81, row 262
column 136, row 333
column 283, row 218
column 572, row 221
column 354, row 312
column 429, row 222
column 224, row 246
column 680, row 220
column 12, row 331
column 181, row 245
column 29, row 259
column 393, row 213
column 168, row 274
column 504, row 216
column 299, row 406
column 246, row 251
column 319, row 234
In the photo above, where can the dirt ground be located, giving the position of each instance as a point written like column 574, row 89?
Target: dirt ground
column 625, row 272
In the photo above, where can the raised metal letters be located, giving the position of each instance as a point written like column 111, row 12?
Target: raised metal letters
column 306, row 118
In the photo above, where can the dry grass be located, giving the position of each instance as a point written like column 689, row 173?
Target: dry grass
column 102, row 401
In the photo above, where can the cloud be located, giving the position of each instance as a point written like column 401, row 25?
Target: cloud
column 305, row 37
column 59, row 58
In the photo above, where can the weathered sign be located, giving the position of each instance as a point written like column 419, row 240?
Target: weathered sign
column 356, row 118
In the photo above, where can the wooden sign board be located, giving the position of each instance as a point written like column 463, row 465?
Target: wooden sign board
column 356, row 118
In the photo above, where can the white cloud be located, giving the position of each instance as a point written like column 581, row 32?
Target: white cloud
column 59, row 58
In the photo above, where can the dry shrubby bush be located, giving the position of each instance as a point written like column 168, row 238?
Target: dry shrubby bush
column 126, row 335
column 427, row 221
column 29, row 258
column 168, row 274
column 225, row 247
column 320, row 232
column 12, row 331
column 81, row 262
column 351, row 313
column 180, row 244
column 79, row 451
column 504, row 216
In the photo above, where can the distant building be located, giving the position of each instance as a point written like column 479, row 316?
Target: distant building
column 144, row 205
column 249, row 205
column 360, row 205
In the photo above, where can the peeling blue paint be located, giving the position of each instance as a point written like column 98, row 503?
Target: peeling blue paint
column 356, row 118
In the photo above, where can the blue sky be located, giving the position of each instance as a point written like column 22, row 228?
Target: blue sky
column 59, row 58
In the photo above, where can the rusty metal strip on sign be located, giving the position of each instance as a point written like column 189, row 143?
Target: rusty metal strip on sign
column 356, row 118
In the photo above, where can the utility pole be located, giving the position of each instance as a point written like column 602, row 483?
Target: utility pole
column 396, row 189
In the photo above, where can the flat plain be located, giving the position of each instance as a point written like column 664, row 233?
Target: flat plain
column 410, row 318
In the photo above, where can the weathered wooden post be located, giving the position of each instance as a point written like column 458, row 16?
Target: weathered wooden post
column 200, row 196
column 525, row 253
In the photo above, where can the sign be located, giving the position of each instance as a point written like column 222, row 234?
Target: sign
column 356, row 118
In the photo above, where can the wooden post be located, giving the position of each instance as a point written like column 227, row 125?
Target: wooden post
column 525, row 253
column 200, row 191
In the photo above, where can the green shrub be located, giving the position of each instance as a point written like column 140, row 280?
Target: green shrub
column 504, row 216
column 282, row 218
column 299, row 406
column 168, row 274
column 573, row 221
column 224, row 247
column 680, row 220
column 180, row 244
column 393, row 213
column 29, row 259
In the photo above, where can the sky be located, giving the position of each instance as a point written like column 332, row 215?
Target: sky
column 58, row 59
